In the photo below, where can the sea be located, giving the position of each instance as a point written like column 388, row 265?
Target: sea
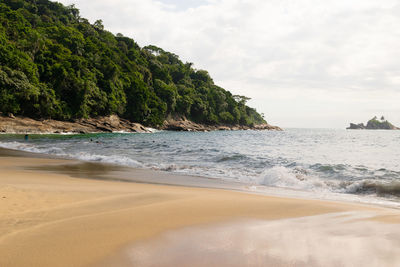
column 355, row 165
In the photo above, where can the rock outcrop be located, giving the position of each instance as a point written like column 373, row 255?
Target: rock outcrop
column 374, row 124
column 182, row 124
column 354, row 126
column 266, row 126
column 23, row 125
column 113, row 123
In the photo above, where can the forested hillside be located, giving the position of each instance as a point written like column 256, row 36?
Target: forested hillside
column 55, row 64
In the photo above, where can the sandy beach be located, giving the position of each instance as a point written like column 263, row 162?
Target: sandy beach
column 50, row 218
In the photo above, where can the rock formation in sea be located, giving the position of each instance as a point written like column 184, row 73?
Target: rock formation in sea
column 374, row 124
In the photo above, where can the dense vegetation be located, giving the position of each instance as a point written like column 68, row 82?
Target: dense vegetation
column 55, row 64
column 374, row 123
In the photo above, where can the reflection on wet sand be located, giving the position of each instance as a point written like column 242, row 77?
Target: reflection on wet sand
column 339, row 239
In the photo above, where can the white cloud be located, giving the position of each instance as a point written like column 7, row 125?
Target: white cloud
column 306, row 61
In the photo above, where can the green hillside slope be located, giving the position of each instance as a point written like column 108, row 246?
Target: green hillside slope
column 55, row 64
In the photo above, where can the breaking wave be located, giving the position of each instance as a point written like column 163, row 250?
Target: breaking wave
column 289, row 159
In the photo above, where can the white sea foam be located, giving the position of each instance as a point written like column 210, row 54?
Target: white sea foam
column 278, row 176
column 283, row 177
column 114, row 159
column 152, row 130
column 122, row 132
column 20, row 146
column 292, row 159
column 119, row 160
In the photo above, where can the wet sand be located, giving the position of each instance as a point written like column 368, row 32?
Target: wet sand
column 329, row 240
column 50, row 217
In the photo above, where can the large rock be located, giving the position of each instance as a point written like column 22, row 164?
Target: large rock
column 266, row 126
column 182, row 124
column 374, row 124
column 354, row 126
column 113, row 123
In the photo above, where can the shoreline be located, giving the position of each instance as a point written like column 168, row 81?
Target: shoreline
column 50, row 218
column 110, row 124
column 79, row 168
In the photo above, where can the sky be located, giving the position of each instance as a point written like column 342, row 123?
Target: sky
column 303, row 63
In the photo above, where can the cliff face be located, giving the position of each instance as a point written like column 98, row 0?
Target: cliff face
column 374, row 124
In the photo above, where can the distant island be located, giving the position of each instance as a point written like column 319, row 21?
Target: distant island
column 56, row 65
column 374, row 124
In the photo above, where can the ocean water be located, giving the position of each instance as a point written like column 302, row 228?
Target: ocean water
column 361, row 163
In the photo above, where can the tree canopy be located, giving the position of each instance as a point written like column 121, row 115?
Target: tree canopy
column 55, row 64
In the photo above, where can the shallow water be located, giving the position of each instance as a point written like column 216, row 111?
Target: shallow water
column 311, row 160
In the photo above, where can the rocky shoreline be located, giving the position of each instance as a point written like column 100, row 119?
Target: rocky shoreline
column 109, row 124
column 187, row 125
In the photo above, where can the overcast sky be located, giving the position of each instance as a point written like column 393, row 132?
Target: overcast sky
column 304, row 63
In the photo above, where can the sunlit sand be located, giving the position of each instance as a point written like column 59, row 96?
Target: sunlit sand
column 49, row 218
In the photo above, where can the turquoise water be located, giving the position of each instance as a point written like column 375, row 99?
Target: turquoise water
column 313, row 160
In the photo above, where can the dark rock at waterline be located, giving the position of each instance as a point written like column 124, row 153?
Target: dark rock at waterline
column 354, row 126
column 108, row 124
column 22, row 125
column 182, row 124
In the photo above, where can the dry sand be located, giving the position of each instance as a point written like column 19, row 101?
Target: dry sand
column 52, row 219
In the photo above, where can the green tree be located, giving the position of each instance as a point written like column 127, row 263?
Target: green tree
column 54, row 63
